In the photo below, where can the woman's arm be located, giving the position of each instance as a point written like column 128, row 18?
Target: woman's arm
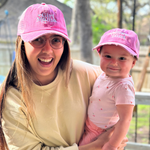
column 121, row 128
column 23, row 138
column 31, row 141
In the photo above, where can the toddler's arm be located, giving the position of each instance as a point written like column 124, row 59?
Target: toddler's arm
column 121, row 128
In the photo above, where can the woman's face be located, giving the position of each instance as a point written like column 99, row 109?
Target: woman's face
column 43, row 57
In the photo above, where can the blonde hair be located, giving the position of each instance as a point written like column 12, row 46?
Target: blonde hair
column 20, row 75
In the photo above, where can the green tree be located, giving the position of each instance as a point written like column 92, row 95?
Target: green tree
column 104, row 16
column 98, row 28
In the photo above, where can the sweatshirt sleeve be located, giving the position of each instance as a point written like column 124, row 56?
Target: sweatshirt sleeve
column 18, row 132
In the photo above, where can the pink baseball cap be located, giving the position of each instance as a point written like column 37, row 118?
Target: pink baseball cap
column 40, row 19
column 127, row 39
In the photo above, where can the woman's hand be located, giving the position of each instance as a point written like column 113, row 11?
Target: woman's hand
column 123, row 143
column 107, row 146
column 101, row 140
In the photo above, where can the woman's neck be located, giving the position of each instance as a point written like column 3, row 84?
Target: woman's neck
column 46, row 79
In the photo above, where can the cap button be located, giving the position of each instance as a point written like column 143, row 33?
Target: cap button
column 43, row 4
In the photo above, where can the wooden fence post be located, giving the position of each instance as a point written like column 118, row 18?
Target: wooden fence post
column 139, row 87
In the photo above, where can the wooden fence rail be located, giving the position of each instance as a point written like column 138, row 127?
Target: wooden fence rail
column 142, row 98
column 137, row 146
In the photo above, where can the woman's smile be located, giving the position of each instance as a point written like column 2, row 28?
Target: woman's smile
column 45, row 60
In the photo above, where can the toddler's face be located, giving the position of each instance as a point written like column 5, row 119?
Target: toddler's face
column 115, row 61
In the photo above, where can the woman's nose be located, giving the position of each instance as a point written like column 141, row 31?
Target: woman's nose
column 47, row 47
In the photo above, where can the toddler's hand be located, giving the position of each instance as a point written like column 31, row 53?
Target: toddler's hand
column 107, row 146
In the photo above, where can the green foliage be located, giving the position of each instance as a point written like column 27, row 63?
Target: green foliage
column 98, row 28
column 66, row 1
column 104, row 18
column 70, row 3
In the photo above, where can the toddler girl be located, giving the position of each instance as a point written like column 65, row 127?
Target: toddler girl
column 112, row 100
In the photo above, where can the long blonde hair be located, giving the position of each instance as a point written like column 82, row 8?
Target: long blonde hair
column 19, row 77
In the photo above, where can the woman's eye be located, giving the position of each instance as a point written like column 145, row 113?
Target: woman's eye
column 55, row 40
column 38, row 40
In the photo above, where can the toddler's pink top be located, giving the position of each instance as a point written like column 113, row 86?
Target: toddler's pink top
column 107, row 93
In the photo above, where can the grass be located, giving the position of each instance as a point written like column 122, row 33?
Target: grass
column 142, row 125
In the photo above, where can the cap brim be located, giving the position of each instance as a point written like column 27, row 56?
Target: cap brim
column 114, row 43
column 33, row 35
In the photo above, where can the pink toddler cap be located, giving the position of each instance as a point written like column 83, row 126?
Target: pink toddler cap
column 40, row 19
column 127, row 39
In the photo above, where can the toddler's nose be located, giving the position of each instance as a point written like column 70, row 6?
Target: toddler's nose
column 114, row 63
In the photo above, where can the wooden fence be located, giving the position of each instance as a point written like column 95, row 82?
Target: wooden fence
column 137, row 146
column 141, row 98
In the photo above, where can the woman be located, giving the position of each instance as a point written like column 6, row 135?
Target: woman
column 45, row 95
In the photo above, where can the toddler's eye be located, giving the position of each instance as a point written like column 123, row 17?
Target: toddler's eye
column 107, row 56
column 122, row 58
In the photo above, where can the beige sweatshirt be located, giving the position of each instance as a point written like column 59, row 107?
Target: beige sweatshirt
column 60, row 112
